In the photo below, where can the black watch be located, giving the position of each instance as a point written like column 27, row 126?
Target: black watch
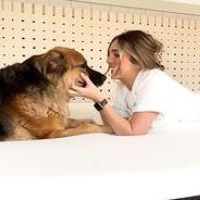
column 99, row 105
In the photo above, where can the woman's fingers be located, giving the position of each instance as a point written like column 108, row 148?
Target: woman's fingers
column 74, row 90
column 86, row 79
column 89, row 91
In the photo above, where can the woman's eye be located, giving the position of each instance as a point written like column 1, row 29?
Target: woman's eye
column 116, row 55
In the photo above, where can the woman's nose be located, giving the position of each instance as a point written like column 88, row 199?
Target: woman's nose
column 109, row 60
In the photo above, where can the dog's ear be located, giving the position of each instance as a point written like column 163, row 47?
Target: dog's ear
column 51, row 64
column 54, row 62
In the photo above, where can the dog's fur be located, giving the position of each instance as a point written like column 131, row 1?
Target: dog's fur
column 34, row 96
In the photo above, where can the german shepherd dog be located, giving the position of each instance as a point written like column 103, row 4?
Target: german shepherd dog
column 34, row 96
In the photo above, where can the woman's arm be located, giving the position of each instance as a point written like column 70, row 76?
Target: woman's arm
column 138, row 124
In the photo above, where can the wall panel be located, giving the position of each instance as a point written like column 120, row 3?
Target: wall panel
column 33, row 28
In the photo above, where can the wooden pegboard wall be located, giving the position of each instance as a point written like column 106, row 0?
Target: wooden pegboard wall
column 30, row 28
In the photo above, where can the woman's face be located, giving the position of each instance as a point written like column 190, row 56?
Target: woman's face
column 120, row 65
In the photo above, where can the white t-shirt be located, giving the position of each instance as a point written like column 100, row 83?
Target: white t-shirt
column 155, row 91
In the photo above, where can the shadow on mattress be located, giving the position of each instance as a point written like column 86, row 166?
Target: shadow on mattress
column 189, row 198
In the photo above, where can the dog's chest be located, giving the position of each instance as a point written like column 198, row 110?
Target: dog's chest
column 36, row 106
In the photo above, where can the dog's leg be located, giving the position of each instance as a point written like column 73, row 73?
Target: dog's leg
column 20, row 133
column 84, row 128
column 72, row 123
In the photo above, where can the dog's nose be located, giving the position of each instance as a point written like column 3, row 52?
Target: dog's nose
column 96, row 77
column 99, row 81
column 103, row 77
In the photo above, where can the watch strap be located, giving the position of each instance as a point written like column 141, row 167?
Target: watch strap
column 99, row 105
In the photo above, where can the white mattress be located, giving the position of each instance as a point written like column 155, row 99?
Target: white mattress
column 164, row 164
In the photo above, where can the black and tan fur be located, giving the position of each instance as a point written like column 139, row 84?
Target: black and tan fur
column 34, row 96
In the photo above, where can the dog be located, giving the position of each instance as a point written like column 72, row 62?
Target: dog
column 34, row 98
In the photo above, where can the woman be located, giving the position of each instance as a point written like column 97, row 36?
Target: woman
column 147, row 96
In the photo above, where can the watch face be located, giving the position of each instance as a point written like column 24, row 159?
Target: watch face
column 98, row 106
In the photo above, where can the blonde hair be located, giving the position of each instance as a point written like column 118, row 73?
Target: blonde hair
column 143, row 49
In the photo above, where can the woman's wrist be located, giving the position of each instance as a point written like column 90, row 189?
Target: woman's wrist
column 100, row 104
column 98, row 98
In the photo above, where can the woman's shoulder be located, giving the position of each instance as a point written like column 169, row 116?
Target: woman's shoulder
column 160, row 79
column 147, row 75
column 150, row 78
column 154, row 74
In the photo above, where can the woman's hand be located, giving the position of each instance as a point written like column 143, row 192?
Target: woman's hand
column 90, row 91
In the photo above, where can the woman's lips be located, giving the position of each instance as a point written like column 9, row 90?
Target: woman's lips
column 114, row 71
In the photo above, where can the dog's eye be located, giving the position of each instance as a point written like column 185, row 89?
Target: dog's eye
column 84, row 65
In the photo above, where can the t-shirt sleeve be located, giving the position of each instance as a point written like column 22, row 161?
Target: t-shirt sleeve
column 151, row 96
column 120, row 102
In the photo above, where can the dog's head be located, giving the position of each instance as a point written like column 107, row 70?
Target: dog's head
column 62, row 66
